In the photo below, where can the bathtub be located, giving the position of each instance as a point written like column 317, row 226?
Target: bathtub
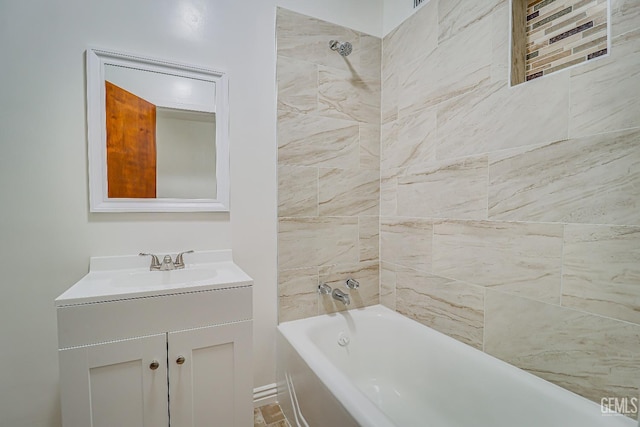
column 373, row 367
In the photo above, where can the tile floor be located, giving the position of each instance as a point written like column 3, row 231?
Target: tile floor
column 269, row 416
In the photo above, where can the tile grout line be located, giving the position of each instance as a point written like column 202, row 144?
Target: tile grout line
column 512, row 294
column 562, row 255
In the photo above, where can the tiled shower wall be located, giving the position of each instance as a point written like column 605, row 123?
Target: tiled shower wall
column 510, row 217
column 328, row 165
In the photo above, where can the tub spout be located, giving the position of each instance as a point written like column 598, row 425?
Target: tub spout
column 337, row 294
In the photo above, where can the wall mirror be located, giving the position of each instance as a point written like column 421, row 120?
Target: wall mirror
column 158, row 135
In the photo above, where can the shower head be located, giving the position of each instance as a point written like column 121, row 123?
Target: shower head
column 343, row 49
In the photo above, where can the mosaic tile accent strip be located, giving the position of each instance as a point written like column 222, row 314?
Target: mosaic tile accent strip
column 571, row 32
column 534, row 75
column 561, row 33
column 550, row 18
column 596, row 54
column 541, row 4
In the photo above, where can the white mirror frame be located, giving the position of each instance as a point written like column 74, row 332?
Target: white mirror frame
column 97, row 135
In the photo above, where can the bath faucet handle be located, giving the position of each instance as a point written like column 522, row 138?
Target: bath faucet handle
column 324, row 289
column 155, row 263
column 179, row 261
column 352, row 283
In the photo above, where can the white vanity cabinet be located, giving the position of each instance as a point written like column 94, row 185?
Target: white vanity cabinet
column 179, row 358
column 112, row 384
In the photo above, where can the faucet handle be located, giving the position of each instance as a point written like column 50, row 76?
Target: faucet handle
column 179, row 261
column 352, row 283
column 155, row 263
column 324, row 289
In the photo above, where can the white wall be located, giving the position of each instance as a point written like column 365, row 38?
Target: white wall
column 396, row 11
column 185, row 154
column 361, row 15
column 46, row 231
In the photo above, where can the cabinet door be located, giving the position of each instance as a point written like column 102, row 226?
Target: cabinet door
column 113, row 384
column 212, row 387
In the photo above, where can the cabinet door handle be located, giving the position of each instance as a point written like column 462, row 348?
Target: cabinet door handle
column 154, row 365
column 180, row 360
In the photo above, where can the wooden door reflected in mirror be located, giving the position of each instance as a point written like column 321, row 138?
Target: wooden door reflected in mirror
column 131, row 144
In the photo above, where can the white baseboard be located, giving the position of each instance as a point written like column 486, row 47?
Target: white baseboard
column 265, row 395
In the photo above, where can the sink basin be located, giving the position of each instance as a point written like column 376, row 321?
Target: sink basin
column 143, row 279
column 128, row 277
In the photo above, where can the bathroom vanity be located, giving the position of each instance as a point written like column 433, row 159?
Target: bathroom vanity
column 157, row 348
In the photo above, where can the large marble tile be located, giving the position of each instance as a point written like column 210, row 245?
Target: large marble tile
column 370, row 55
column 389, row 97
column 590, row 355
column 496, row 117
column 307, row 140
column 594, row 179
column 457, row 66
column 306, row 38
column 454, row 189
column 297, row 191
column 415, row 38
column 500, row 44
column 389, row 191
column 523, row 259
column 348, row 95
column 601, row 270
column 407, row 242
column 369, row 146
column 453, row 308
column 625, row 16
column 366, row 273
column 388, row 139
column 369, row 235
column 297, row 294
column 605, row 93
column 411, row 140
column 457, row 15
column 347, row 192
column 297, row 85
column 388, row 284
column 309, row 242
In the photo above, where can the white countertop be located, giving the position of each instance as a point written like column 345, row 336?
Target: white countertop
column 127, row 277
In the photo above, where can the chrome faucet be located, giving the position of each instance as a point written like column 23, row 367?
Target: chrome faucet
column 337, row 294
column 352, row 283
column 324, row 289
column 179, row 264
column 167, row 263
column 155, row 264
